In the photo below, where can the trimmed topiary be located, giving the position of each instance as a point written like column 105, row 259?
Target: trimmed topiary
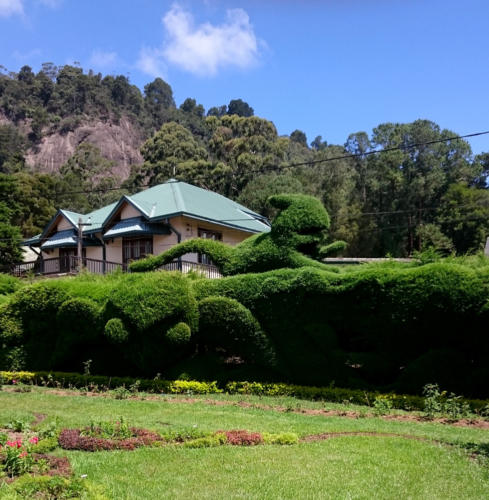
column 297, row 232
column 179, row 334
column 227, row 324
column 115, row 331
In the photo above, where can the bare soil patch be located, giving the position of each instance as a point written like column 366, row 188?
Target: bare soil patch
column 471, row 423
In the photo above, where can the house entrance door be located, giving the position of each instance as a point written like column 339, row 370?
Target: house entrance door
column 65, row 259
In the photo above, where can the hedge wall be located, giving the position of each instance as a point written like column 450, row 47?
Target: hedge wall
column 378, row 327
column 330, row 394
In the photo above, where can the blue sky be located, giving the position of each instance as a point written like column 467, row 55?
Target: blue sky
column 328, row 67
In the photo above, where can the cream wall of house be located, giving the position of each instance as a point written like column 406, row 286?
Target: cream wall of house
column 113, row 250
column 52, row 254
column 129, row 211
column 94, row 253
column 189, row 228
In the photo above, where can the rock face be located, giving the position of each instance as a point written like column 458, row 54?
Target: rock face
column 118, row 141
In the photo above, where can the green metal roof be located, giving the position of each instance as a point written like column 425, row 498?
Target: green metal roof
column 179, row 198
column 97, row 218
column 168, row 200
column 72, row 216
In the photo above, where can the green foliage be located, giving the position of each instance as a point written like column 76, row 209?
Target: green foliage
column 90, row 172
column 179, row 334
column 78, row 321
column 438, row 403
column 226, row 324
column 389, row 326
column 8, row 284
column 382, row 405
column 298, row 229
column 48, row 487
column 217, row 251
column 115, row 331
column 206, row 442
column 12, row 147
column 284, row 438
column 121, row 392
column 46, row 445
column 240, row 108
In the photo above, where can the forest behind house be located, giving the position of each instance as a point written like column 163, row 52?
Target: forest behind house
column 80, row 140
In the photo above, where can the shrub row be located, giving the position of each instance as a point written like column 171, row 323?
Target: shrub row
column 330, row 394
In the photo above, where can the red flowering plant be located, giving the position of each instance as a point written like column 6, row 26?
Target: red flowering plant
column 16, row 459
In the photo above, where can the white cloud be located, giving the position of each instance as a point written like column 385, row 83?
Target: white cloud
column 103, row 59
column 151, row 62
column 11, row 7
column 206, row 48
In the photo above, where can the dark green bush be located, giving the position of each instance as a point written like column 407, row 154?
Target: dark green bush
column 227, row 324
column 376, row 327
column 149, row 305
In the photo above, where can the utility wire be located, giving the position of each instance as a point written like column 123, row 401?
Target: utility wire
column 305, row 163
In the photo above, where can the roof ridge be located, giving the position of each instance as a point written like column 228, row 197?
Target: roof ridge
column 177, row 195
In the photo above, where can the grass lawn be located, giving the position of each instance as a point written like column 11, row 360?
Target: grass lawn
column 349, row 466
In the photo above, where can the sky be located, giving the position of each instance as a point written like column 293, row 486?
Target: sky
column 328, row 68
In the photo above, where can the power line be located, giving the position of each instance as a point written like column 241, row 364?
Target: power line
column 305, row 163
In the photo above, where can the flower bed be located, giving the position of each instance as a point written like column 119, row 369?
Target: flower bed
column 239, row 437
column 74, row 439
column 18, row 458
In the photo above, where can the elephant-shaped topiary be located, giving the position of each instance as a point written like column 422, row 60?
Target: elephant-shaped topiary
column 296, row 236
column 155, row 324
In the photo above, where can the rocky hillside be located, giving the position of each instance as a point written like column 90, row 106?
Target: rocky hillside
column 119, row 142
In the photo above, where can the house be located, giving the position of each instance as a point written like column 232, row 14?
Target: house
column 148, row 222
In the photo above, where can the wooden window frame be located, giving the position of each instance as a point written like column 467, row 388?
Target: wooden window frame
column 135, row 248
column 208, row 234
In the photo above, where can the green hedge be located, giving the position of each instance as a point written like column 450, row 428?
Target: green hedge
column 329, row 394
column 386, row 328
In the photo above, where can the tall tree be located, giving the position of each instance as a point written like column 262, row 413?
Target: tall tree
column 240, row 108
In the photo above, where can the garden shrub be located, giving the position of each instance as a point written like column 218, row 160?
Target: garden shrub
column 46, row 445
column 386, row 328
column 78, row 325
column 217, row 439
column 186, row 434
column 227, row 324
column 149, row 305
column 54, row 487
column 115, row 331
column 36, row 307
column 83, row 439
column 9, row 284
column 284, row 438
column 296, row 232
column 179, row 334
column 239, row 437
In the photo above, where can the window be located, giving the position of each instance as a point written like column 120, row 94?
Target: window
column 136, row 248
column 208, row 235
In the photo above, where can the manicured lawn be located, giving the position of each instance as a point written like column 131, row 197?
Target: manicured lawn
column 341, row 467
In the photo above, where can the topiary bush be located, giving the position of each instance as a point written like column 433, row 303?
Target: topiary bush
column 227, row 324
column 179, row 334
column 296, row 235
column 147, row 307
column 115, row 331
